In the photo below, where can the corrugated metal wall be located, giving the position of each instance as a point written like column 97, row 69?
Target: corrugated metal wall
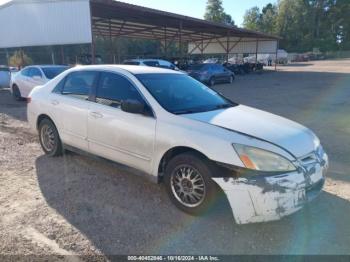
column 237, row 46
column 45, row 22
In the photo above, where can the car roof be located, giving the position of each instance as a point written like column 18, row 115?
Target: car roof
column 133, row 69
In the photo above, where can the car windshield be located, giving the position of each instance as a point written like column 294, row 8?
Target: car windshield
column 181, row 94
column 52, row 72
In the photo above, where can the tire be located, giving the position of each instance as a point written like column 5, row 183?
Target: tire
column 49, row 138
column 211, row 81
column 16, row 93
column 206, row 189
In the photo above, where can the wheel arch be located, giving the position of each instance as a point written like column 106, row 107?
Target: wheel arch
column 171, row 153
column 41, row 117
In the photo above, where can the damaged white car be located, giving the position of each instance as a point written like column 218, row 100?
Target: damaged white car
column 185, row 135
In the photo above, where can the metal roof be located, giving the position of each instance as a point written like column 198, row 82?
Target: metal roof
column 112, row 18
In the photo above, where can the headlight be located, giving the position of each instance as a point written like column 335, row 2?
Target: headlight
column 259, row 159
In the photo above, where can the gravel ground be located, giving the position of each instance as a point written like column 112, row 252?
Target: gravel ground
column 78, row 205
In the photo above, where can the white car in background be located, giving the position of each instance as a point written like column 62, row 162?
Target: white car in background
column 25, row 80
column 152, row 62
column 183, row 134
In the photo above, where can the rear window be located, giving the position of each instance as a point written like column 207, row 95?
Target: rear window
column 151, row 63
column 52, row 72
column 131, row 63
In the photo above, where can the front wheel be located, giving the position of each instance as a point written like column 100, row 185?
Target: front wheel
column 188, row 183
column 49, row 138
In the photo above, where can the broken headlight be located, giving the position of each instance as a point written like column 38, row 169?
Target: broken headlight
column 262, row 160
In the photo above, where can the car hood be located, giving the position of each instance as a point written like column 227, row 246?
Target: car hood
column 280, row 131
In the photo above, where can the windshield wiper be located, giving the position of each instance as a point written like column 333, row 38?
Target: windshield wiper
column 222, row 106
column 182, row 112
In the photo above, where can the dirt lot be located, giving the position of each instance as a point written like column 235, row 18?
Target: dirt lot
column 78, row 205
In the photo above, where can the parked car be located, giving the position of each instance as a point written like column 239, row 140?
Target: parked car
column 5, row 77
column 184, row 135
column 29, row 77
column 211, row 74
column 237, row 69
column 152, row 62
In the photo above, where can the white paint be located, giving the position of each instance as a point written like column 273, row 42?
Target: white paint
column 46, row 22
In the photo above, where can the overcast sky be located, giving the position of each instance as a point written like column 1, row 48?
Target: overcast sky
column 196, row 8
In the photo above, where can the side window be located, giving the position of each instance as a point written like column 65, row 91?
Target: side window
column 79, row 84
column 35, row 72
column 25, row 71
column 59, row 87
column 113, row 89
column 151, row 63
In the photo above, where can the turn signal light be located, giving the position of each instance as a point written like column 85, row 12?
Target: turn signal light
column 29, row 99
column 247, row 162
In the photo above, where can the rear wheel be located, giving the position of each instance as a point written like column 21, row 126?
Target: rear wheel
column 49, row 138
column 16, row 93
column 188, row 183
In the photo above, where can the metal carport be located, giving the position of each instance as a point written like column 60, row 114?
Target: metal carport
column 62, row 22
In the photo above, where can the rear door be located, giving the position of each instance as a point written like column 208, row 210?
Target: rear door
column 117, row 135
column 70, row 104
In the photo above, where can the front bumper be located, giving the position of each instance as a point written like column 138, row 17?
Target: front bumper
column 268, row 198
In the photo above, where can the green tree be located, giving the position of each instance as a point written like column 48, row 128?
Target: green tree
column 252, row 19
column 216, row 13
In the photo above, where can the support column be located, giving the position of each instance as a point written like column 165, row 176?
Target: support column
column 93, row 51
column 276, row 55
column 62, row 55
column 165, row 42
column 53, row 57
column 110, row 42
column 7, row 57
column 227, row 46
column 202, row 46
column 180, row 40
column 256, row 51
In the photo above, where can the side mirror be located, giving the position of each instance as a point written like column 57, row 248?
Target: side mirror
column 132, row 106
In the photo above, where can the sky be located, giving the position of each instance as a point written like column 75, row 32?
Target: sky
column 196, row 8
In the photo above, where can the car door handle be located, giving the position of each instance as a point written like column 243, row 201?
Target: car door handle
column 96, row 115
column 54, row 102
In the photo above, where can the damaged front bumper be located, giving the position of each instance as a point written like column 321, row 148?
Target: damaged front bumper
column 267, row 198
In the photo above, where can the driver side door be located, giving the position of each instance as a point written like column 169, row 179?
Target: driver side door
column 123, row 137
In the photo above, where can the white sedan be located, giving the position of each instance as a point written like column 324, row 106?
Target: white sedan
column 25, row 80
column 182, row 134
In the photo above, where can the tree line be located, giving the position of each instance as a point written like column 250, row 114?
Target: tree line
column 304, row 24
